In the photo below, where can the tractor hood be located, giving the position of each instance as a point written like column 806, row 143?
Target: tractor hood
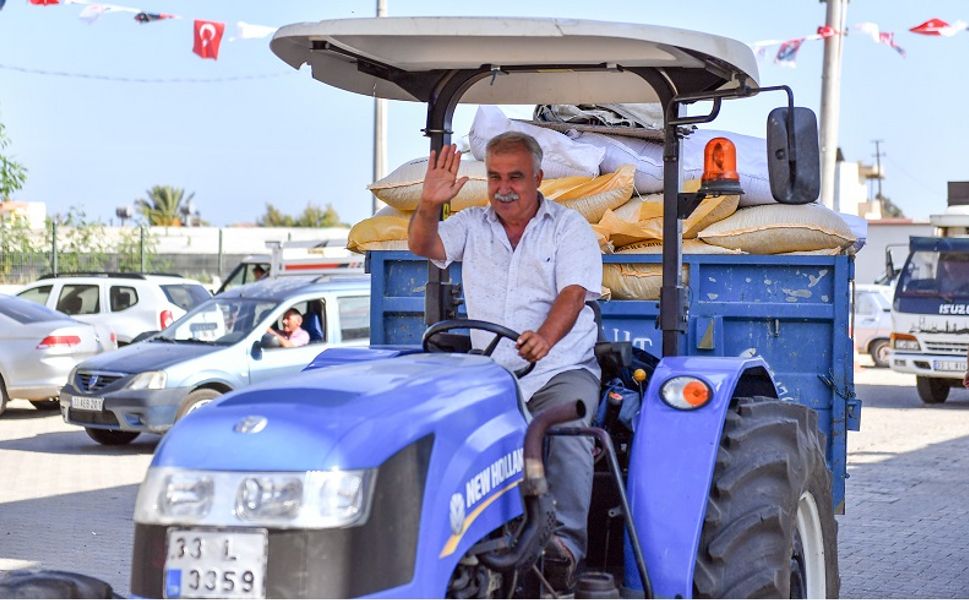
column 351, row 416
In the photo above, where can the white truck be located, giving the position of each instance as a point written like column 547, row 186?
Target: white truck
column 317, row 257
column 930, row 311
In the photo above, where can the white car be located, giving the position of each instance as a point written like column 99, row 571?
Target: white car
column 39, row 347
column 129, row 303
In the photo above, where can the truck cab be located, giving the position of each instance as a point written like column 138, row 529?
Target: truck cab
column 317, row 257
column 930, row 310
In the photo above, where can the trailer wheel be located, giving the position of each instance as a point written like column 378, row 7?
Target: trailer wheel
column 931, row 390
column 769, row 530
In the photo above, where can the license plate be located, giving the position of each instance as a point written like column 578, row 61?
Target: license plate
column 950, row 365
column 87, row 402
column 203, row 563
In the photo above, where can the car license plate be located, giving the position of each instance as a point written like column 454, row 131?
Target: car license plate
column 87, row 402
column 204, row 563
column 950, row 365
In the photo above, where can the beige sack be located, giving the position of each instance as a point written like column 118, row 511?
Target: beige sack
column 402, row 188
column 780, row 228
column 640, row 208
column 591, row 197
column 387, row 230
column 643, row 282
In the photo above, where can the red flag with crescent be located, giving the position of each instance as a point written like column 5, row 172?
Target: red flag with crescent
column 208, row 36
column 44, row 2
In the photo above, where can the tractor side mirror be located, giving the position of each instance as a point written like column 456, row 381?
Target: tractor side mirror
column 793, row 155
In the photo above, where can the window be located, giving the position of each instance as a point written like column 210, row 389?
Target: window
column 122, row 297
column 186, row 296
column 38, row 294
column 354, row 318
column 79, row 300
column 867, row 305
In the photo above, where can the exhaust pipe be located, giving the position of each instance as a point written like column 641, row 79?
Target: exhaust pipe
column 539, row 504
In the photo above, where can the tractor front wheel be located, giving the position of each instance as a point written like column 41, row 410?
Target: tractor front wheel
column 769, row 529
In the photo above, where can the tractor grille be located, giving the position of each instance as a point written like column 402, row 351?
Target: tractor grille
column 947, row 347
column 92, row 381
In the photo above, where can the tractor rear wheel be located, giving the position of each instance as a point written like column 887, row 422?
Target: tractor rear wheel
column 769, row 529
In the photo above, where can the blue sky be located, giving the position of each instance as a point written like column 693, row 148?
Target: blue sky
column 287, row 139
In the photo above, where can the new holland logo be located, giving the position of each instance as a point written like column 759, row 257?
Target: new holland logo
column 457, row 513
column 251, row 424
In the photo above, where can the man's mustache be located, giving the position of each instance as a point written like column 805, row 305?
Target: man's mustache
column 510, row 197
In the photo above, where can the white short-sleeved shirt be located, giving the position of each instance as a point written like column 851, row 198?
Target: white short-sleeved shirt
column 517, row 287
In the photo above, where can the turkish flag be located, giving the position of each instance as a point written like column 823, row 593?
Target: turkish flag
column 932, row 27
column 44, row 2
column 208, row 36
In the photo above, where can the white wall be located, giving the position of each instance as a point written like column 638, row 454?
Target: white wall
column 870, row 261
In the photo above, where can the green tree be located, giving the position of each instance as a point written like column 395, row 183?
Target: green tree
column 164, row 204
column 13, row 175
column 82, row 244
column 312, row 216
column 274, row 218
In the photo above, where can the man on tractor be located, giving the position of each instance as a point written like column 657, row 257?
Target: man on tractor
column 531, row 265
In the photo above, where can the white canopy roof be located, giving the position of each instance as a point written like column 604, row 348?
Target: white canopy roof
column 401, row 57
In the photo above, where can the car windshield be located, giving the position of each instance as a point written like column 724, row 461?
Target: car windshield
column 936, row 274
column 222, row 321
column 24, row 311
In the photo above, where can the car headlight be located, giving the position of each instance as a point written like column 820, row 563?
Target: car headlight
column 72, row 376
column 283, row 500
column 686, row 393
column 149, row 380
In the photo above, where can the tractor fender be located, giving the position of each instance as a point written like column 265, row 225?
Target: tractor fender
column 671, row 467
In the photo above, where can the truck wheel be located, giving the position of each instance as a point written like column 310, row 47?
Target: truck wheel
column 196, row 400
column 110, row 437
column 931, row 390
column 880, row 351
column 769, row 529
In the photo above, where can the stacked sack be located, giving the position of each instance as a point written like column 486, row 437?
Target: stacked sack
column 613, row 182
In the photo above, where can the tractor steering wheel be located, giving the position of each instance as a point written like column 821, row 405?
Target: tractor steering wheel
column 500, row 332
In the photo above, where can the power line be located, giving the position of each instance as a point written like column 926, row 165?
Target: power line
column 144, row 79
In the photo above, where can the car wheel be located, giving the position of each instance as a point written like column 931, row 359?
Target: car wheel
column 880, row 351
column 46, row 405
column 3, row 396
column 196, row 400
column 110, row 437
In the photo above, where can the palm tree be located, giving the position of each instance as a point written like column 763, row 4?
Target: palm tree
column 164, row 205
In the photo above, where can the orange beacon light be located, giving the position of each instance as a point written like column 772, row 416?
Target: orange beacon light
column 720, row 168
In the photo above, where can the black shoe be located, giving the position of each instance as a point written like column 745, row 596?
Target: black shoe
column 560, row 566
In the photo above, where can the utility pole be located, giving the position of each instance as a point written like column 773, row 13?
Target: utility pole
column 831, row 98
column 878, row 167
column 379, row 128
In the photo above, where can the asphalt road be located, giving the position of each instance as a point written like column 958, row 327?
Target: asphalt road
column 66, row 502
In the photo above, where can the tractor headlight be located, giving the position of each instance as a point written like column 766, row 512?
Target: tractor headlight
column 283, row 500
column 149, row 380
column 686, row 393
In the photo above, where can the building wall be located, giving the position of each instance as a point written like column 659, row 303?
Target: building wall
column 870, row 260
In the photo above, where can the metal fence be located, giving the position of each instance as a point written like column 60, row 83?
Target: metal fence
column 204, row 253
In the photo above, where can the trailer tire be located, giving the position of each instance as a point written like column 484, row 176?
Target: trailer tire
column 769, row 529
column 932, row 390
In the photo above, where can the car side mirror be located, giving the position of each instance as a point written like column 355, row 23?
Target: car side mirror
column 256, row 351
column 793, row 155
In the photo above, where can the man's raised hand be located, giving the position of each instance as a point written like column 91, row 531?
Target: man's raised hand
column 441, row 182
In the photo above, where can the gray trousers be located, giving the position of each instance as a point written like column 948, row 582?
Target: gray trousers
column 568, row 466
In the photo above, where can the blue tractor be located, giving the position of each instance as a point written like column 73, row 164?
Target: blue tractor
column 414, row 470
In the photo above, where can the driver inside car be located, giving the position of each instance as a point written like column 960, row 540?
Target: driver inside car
column 531, row 265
